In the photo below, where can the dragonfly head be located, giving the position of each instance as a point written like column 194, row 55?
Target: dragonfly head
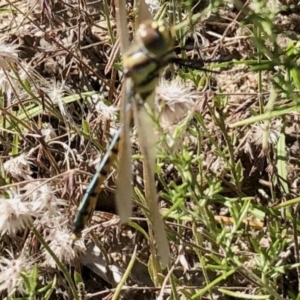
column 148, row 55
column 156, row 38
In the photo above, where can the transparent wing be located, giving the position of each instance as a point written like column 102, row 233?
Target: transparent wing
column 147, row 143
column 136, row 87
column 124, row 188
column 144, row 13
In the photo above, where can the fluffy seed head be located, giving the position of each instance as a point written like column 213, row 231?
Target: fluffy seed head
column 260, row 132
column 61, row 245
column 8, row 53
column 15, row 215
column 174, row 98
column 18, row 167
column 11, row 270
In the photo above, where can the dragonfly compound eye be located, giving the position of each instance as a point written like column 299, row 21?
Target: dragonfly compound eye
column 155, row 36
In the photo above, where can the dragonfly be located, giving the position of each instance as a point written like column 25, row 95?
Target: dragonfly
column 143, row 62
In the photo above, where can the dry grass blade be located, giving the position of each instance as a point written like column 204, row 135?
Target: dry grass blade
column 148, row 145
column 122, row 25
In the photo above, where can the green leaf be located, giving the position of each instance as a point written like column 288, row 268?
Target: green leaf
column 86, row 127
column 51, row 286
column 296, row 77
column 15, row 146
column 77, row 278
column 281, row 161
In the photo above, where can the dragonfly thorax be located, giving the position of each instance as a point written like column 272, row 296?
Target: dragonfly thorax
column 147, row 56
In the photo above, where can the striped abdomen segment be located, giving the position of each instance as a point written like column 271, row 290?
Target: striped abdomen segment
column 90, row 198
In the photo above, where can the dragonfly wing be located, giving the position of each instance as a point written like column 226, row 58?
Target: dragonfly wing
column 124, row 188
column 147, row 142
column 143, row 13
